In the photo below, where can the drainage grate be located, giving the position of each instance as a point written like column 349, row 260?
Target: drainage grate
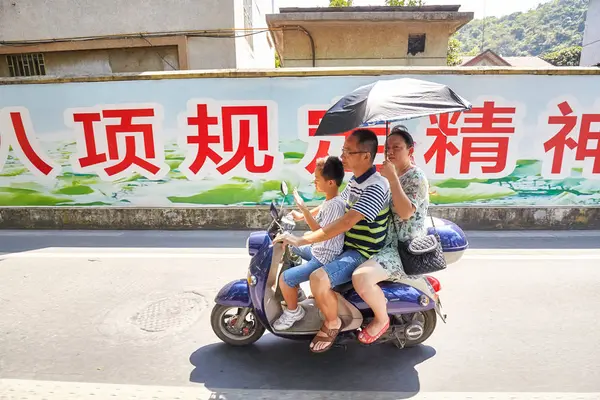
column 170, row 313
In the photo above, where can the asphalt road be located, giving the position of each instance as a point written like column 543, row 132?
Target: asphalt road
column 86, row 314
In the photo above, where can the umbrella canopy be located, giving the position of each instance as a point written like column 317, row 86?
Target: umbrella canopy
column 389, row 101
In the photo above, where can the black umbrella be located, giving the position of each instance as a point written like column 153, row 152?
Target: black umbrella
column 388, row 101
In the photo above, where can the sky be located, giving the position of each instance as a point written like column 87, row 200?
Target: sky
column 479, row 7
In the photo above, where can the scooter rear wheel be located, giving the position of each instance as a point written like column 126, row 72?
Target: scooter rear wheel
column 429, row 320
column 223, row 321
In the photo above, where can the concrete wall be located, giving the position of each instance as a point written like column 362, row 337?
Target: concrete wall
column 48, row 19
column 144, row 59
column 362, row 44
column 97, row 62
column 211, row 53
column 590, row 54
column 44, row 19
column 93, row 62
column 257, row 218
column 260, row 52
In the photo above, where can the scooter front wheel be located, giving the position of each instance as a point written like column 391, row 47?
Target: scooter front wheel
column 236, row 326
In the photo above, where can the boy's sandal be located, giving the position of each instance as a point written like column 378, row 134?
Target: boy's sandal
column 365, row 338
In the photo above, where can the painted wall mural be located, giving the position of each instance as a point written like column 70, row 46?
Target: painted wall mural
column 529, row 140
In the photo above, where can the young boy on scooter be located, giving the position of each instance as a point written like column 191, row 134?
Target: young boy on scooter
column 329, row 175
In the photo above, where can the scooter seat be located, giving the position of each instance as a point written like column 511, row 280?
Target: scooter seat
column 346, row 287
column 343, row 288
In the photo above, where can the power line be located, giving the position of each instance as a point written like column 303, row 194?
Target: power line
column 160, row 55
column 217, row 33
column 591, row 43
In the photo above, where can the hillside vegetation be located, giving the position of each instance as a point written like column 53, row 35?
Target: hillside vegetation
column 552, row 26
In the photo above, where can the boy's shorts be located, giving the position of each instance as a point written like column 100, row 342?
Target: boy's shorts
column 293, row 277
column 339, row 270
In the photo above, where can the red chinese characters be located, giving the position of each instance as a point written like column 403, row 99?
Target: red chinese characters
column 227, row 138
column 562, row 149
column 118, row 141
column 16, row 132
column 473, row 144
column 309, row 118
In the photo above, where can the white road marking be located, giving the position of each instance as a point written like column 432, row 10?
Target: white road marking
column 169, row 256
column 241, row 254
column 524, row 257
column 532, row 234
column 36, row 390
column 54, row 233
column 131, row 252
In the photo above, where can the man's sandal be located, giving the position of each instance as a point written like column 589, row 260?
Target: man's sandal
column 330, row 338
column 365, row 338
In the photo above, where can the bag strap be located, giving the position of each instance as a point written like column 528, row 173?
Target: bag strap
column 433, row 223
column 393, row 219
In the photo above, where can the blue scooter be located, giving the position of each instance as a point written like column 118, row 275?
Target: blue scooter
column 245, row 308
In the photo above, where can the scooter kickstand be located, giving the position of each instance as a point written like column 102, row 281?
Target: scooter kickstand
column 400, row 341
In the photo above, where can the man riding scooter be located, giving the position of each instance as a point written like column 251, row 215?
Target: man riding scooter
column 364, row 226
column 245, row 308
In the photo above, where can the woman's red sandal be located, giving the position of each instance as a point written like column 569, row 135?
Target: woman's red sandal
column 365, row 338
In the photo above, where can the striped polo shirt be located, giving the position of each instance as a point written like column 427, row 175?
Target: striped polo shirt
column 368, row 194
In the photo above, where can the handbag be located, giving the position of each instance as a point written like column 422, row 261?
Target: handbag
column 421, row 255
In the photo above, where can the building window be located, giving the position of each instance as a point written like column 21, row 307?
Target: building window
column 416, row 44
column 26, row 64
column 248, row 5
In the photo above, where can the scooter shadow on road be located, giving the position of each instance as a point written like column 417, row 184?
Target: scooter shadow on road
column 279, row 364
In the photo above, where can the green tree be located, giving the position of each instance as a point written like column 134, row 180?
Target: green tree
column 404, row 3
column 277, row 60
column 552, row 26
column 454, row 58
column 566, row 57
column 340, row 3
column 473, row 52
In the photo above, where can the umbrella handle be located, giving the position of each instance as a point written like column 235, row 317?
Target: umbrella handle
column 387, row 133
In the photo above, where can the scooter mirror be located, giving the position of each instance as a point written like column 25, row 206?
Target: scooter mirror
column 273, row 210
column 284, row 188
